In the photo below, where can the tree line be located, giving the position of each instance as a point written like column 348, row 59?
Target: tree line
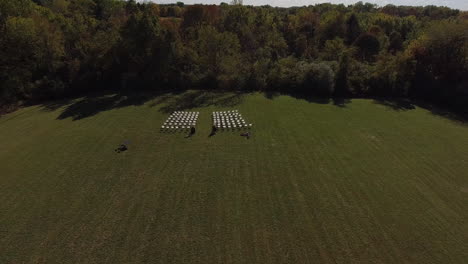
column 50, row 49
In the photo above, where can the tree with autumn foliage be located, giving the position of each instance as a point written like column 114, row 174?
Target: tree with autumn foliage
column 56, row 48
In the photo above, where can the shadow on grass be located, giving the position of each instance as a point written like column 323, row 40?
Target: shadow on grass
column 397, row 104
column 340, row 102
column 407, row 105
column 172, row 101
column 195, row 99
column 184, row 100
column 444, row 112
column 93, row 104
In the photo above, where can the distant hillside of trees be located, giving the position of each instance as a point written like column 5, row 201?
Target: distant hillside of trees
column 50, row 49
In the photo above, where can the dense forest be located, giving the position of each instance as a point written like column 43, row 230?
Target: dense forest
column 51, row 49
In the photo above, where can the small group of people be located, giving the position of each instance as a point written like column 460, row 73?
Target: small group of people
column 192, row 132
column 214, row 129
column 124, row 146
column 121, row 148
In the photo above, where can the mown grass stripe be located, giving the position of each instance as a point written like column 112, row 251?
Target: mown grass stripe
column 315, row 182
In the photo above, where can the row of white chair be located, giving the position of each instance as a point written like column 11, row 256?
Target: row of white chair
column 175, row 127
column 183, row 116
column 223, row 120
column 226, row 112
column 180, row 124
column 181, row 120
column 214, row 115
column 194, row 115
column 236, row 119
column 229, row 123
column 229, row 119
column 229, row 126
column 226, row 116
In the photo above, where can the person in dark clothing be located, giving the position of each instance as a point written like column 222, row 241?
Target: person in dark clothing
column 246, row 134
column 214, row 129
column 192, row 132
column 121, row 148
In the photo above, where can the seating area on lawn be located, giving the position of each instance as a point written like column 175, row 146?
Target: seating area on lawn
column 223, row 120
column 229, row 120
column 180, row 120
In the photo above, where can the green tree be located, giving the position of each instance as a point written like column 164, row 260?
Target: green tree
column 442, row 63
column 15, row 8
column 140, row 50
column 342, row 82
column 353, row 29
column 368, row 46
column 50, row 48
column 333, row 49
column 218, row 56
column 319, row 80
column 196, row 16
column 396, row 42
column 19, row 53
column 331, row 26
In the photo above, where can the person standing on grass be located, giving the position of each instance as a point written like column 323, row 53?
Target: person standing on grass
column 192, row 132
column 122, row 147
column 214, row 129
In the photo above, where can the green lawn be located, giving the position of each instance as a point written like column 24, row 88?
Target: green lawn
column 317, row 183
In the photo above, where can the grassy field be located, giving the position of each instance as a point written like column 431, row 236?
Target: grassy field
column 359, row 182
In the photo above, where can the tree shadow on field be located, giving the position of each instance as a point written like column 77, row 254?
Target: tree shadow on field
column 271, row 94
column 407, row 105
column 340, row 102
column 93, row 104
column 195, row 99
column 396, row 104
column 456, row 116
column 56, row 104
